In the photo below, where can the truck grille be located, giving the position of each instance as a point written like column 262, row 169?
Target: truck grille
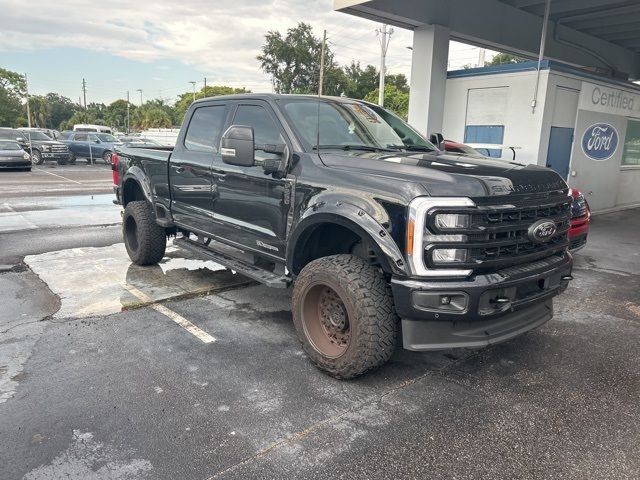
column 498, row 234
column 59, row 149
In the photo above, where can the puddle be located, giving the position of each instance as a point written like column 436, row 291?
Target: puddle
column 44, row 212
column 100, row 281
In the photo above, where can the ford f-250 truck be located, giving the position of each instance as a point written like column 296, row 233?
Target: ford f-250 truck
column 383, row 237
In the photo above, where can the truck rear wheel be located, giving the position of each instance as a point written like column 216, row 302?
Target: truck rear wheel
column 144, row 239
column 344, row 316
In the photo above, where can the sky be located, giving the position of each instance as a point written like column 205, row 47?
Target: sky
column 159, row 47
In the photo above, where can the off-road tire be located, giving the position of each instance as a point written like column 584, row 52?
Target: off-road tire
column 373, row 321
column 144, row 239
column 36, row 158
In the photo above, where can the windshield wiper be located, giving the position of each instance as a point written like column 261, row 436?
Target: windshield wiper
column 412, row 148
column 366, row 148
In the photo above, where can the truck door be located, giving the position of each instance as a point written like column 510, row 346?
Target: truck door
column 249, row 205
column 190, row 167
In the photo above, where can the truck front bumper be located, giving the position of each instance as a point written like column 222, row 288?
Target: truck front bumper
column 482, row 310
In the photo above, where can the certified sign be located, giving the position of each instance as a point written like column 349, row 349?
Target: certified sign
column 600, row 141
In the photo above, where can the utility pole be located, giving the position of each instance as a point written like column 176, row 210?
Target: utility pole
column 194, row 89
column 324, row 47
column 384, row 36
column 140, row 90
column 205, row 86
column 128, row 118
column 481, row 57
column 84, row 94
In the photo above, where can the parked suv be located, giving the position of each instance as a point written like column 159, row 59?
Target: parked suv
column 91, row 146
column 38, row 145
column 384, row 239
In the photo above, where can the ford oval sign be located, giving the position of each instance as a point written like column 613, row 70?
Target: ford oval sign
column 541, row 231
column 600, row 141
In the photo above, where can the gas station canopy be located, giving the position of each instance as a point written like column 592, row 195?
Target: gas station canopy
column 600, row 34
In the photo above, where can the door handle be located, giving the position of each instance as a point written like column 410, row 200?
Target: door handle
column 179, row 169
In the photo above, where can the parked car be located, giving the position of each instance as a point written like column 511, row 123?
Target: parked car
column 455, row 147
column 38, row 145
column 91, row 146
column 88, row 127
column 580, row 219
column 365, row 217
column 12, row 155
column 139, row 142
column 65, row 134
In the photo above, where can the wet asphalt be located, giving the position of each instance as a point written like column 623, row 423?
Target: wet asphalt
column 131, row 394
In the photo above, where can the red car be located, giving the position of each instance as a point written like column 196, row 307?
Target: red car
column 580, row 218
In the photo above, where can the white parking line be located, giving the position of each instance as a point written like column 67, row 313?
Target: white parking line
column 56, row 175
column 203, row 336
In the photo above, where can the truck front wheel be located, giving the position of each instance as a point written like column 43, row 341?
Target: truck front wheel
column 144, row 239
column 344, row 316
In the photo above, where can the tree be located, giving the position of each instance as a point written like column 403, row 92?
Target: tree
column 502, row 58
column 394, row 99
column 185, row 99
column 359, row 81
column 60, row 109
column 12, row 90
column 116, row 114
column 293, row 61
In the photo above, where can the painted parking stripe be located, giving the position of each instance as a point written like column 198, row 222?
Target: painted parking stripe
column 203, row 336
column 56, row 175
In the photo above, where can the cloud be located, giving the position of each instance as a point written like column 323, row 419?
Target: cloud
column 216, row 37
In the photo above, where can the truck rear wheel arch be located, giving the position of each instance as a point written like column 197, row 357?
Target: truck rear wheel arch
column 132, row 192
column 331, row 237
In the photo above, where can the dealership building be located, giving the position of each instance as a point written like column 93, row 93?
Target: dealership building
column 584, row 126
column 575, row 110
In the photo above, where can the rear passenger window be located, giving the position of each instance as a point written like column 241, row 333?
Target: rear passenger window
column 80, row 137
column 205, row 129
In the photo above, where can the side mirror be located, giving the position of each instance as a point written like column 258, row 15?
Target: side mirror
column 238, row 147
column 20, row 139
column 437, row 139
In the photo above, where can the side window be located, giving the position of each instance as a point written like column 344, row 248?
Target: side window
column 205, row 129
column 93, row 138
column 80, row 137
column 265, row 129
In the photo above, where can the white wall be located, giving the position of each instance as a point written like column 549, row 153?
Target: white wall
column 522, row 127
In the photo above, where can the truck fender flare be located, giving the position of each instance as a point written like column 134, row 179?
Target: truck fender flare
column 137, row 175
column 357, row 220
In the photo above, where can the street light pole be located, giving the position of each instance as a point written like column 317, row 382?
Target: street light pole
column 194, row 89
column 140, row 90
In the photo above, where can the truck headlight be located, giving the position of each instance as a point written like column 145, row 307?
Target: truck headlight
column 452, row 220
column 449, row 255
column 26, row 156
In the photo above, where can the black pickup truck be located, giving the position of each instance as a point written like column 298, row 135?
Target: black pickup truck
column 383, row 237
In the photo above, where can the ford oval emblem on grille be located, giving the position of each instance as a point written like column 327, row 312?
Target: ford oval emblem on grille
column 541, row 231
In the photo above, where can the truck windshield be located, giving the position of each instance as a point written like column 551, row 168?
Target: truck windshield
column 35, row 135
column 350, row 125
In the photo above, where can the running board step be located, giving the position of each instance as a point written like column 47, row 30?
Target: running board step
column 270, row 279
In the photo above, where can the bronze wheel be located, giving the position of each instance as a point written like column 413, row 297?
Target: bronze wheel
column 344, row 316
column 326, row 321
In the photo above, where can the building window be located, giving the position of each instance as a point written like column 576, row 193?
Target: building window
column 631, row 152
column 485, row 134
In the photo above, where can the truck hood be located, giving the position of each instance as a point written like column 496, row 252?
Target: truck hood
column 446, row 174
